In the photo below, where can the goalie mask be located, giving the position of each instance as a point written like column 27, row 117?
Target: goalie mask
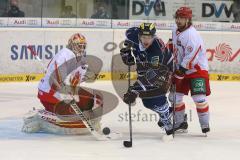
column 77, row 44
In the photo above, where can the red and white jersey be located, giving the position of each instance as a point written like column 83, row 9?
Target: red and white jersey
column 63, row 64
column 189, row 50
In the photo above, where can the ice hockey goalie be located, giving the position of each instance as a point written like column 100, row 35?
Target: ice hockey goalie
column 59, row 86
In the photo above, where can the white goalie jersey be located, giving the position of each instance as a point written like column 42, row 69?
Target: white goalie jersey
column 64, row 67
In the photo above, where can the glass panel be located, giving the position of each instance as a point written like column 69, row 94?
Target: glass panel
column 120, row 9
column 203, row 10
column 23, row 8
column 31, row 8
column 3, row 8
column 84, row 8
column 236, row 11
column 69, row 10
column 97, row 9
column 102, row 9
column 52, row 8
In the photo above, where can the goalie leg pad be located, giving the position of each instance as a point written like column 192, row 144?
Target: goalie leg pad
column 42, row 120
column 49, row 127
column 31, row 122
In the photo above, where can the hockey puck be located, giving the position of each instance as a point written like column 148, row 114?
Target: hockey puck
column 127, row 144
column 106, row 131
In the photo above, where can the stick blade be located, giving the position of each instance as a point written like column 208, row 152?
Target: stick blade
column 127, row 144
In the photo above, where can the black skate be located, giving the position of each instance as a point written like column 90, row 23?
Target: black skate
column 169, row 132
column 160, row 124
column 182, row 128
column 205, row 129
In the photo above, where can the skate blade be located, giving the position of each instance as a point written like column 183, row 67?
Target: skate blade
column 181, row 131
column 167, row 138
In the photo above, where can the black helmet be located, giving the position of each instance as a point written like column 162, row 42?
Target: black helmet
column 147, row 29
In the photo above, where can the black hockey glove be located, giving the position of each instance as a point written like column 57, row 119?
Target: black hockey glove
column 130, row 97
column 126, row 55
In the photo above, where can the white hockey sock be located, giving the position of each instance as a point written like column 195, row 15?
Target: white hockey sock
column 179, row 114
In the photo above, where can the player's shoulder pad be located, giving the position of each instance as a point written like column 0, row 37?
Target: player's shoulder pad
column 190, row 34
column 189, row 31
column 158, row 41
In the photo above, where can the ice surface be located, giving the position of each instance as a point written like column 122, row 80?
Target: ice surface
column 222, row 143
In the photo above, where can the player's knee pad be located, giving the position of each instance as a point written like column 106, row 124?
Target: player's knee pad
column 151, row 102
column 201, row 103
column 179, row 97
column 180, row 106
column 163, row 111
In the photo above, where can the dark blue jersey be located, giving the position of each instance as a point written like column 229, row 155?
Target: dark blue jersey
column 155, row 54
column 153, row 67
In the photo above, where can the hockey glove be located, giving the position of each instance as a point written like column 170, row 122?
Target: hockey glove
column 169, row 45
column 130, row 97
column 178, row 76
column 64, row 94
column 127, row 58
column 126, row 55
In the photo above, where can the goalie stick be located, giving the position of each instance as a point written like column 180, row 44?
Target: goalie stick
column 36, row 56
column 78, row 111
column 88, row 124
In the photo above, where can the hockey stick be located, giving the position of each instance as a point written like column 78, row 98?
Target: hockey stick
column 174, row 107
column 79, row 112
column 173, row 89
column 129, row 143
column 36, row 56
column 89, row 125
column 33, row 53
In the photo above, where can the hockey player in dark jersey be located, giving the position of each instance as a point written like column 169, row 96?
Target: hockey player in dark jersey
column 154, row 66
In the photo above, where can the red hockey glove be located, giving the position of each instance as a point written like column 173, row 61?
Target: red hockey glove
column 169, row 45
